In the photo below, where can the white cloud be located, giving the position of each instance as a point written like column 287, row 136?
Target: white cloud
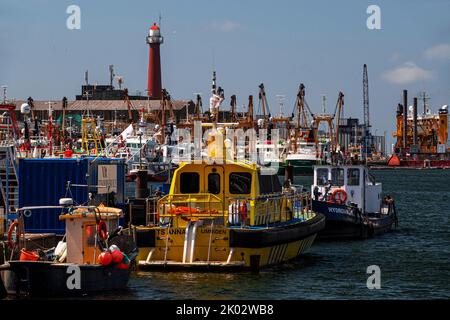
column 441, row 52
column 409, row 72
column 225, row 26
column 395, row 57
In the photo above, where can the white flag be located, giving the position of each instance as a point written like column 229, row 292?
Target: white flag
column 127, row 132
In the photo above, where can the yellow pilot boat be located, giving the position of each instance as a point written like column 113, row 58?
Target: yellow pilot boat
column 226, row 215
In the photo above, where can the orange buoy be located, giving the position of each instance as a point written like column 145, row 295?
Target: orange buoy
column 68, row 153
column 394, row 161
column 117, row 256
column 122, row 266
column 105, row 258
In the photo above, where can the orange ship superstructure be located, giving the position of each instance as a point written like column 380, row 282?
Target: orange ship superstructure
column 421, row 139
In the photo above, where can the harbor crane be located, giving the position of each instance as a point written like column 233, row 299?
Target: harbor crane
column 263, row 105
column 367, row 135
column 328, row 119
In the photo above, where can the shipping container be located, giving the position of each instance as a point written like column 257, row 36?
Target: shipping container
column 42, row 182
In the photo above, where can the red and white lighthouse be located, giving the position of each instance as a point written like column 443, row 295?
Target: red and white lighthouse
column 154, row 39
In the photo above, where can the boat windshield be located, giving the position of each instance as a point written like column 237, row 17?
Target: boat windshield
column 240, row 183
column 353, row 177
column 189, row 182
column 337, row 177
column 322, row 176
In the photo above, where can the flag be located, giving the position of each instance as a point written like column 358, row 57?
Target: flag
column 127, row 132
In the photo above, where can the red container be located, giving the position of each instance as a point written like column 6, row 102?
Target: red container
column 28, row 256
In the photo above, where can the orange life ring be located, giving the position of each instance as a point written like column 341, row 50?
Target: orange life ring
column 101, row 230
column 12, row 244
column 339, row 196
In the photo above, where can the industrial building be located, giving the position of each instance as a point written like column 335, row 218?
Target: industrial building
column 351, row 134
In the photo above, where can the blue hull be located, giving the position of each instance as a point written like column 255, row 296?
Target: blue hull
column 344, row 222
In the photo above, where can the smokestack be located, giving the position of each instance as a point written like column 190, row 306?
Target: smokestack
column 154, row 85
column 405, row 118
column 415, row 121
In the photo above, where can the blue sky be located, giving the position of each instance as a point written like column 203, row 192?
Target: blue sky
column 323, row 44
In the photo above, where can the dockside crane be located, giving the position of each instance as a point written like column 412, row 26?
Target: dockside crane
column 168, row 99
column 302, row 108
column 250, row 118
column 329, row 119
column 263, row 105
column 198, row 109
column 339, row 114
column 233, row 108
column 366, row 111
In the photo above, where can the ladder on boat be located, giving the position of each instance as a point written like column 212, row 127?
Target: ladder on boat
column 9, row 181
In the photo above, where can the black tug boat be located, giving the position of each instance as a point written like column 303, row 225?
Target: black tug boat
column 352, row 203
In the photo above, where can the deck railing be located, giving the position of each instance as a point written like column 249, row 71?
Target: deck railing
column 191, row 206
column 267, row 209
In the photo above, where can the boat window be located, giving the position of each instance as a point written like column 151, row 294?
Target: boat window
column 353, row 177
column 189, row 182
column 337, row 177
column 269, row 183
column 90, row 235
column 240, row 182
column 322, row 176
column 214, row 183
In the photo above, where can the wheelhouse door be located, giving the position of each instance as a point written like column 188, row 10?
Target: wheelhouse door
column 214, row 181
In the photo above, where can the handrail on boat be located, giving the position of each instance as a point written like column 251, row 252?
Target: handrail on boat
column 271, row 206
column 191, row 197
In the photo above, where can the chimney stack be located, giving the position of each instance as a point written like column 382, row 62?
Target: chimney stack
column 415, row 121
column 405, row 118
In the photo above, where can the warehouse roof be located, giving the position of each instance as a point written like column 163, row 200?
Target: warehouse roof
column 102, row 105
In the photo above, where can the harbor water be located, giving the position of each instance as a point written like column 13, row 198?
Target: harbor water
column 414, row 260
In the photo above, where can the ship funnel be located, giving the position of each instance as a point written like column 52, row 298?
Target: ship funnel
column 415, row 121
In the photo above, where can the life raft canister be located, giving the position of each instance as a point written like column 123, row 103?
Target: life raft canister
column 339, row 196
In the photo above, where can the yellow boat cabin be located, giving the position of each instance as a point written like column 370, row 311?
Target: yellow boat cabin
column 226, row 215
